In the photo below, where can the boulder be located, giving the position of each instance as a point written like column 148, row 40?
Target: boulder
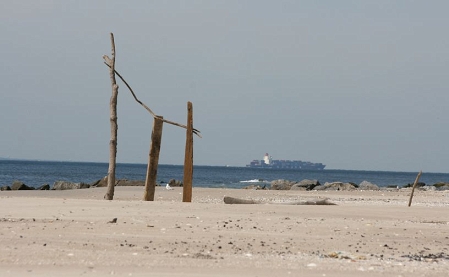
column 281, row 184
column 305, row 185
column 419, row 184
column 17, row 185
column 100, row 183
column 44, row 187
column 120, row 182
column 175, row 183
column 129, row 183
column 5, row 188
column 441, row 186
column 365, row 185
column 64, row 185
column 295, row 187
column 336, row 186
column 392, row 186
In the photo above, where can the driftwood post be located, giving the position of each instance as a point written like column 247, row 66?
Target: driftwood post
column 413, row 189
column 153, row 160
column 113, row 119
column 188, row 160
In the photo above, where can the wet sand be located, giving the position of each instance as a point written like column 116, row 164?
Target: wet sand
column 374, row 233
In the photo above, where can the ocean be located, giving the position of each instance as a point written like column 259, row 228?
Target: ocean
column 37, row 173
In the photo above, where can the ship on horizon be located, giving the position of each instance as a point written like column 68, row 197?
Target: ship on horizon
column 268, row 162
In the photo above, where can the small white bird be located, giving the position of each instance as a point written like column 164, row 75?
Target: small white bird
column 168, row 187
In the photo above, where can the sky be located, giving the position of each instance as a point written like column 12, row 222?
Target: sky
column 357, row 85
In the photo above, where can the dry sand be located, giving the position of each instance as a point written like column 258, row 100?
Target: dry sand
column 369, row 233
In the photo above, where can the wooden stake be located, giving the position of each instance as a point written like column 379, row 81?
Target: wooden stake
column 413, row 189
column 188, row 160
column 113, row 119
column 153, row 159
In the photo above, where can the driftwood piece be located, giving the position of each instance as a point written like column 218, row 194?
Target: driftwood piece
column 413, row 189
column 188, row 159
column 153, row 159
column 195, row 131
column 233, row 200
column 113, row 119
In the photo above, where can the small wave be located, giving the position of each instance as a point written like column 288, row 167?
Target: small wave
column 254, row 181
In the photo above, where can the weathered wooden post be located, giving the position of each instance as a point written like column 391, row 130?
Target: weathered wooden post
column 113, row 119
column 413, row 189
column 188, row 160
column 153, row 159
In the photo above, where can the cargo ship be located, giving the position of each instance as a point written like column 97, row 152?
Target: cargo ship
column 268, row 162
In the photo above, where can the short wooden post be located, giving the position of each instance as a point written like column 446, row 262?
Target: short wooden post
column 413, row 189
column 188, row 160
column 153, row 160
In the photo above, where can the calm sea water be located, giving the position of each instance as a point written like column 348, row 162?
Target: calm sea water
column 37, row 173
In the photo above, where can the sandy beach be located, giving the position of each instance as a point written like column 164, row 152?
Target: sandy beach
column 73, row 233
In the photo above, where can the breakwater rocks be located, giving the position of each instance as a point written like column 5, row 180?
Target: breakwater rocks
column 306, row 184
column 281, row 184
column 65, row 185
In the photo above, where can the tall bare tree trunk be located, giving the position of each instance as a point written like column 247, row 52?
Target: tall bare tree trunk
column 188, row 159
column 113, row 119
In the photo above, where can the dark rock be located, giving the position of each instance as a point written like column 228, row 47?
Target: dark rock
column 295, row 187
column 441, row 186
column 100, row 183
column 175, row 183
column 129, row 183
column 321, row 187
column 365, row 185
column 392, row 186
column 17, row 185
column 84, row 186
column 419, row 184
column 63, row 185
column 281, row 184
column 44, row 187
column 353, row 184
column 305, row 185
column 336, row 186
column 25, row 187
column 5, row 188
column 120, row 182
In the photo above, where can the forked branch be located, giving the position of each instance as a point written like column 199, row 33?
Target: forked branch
column 107, row 62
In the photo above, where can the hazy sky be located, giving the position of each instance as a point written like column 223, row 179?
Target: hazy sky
column 352, row 84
